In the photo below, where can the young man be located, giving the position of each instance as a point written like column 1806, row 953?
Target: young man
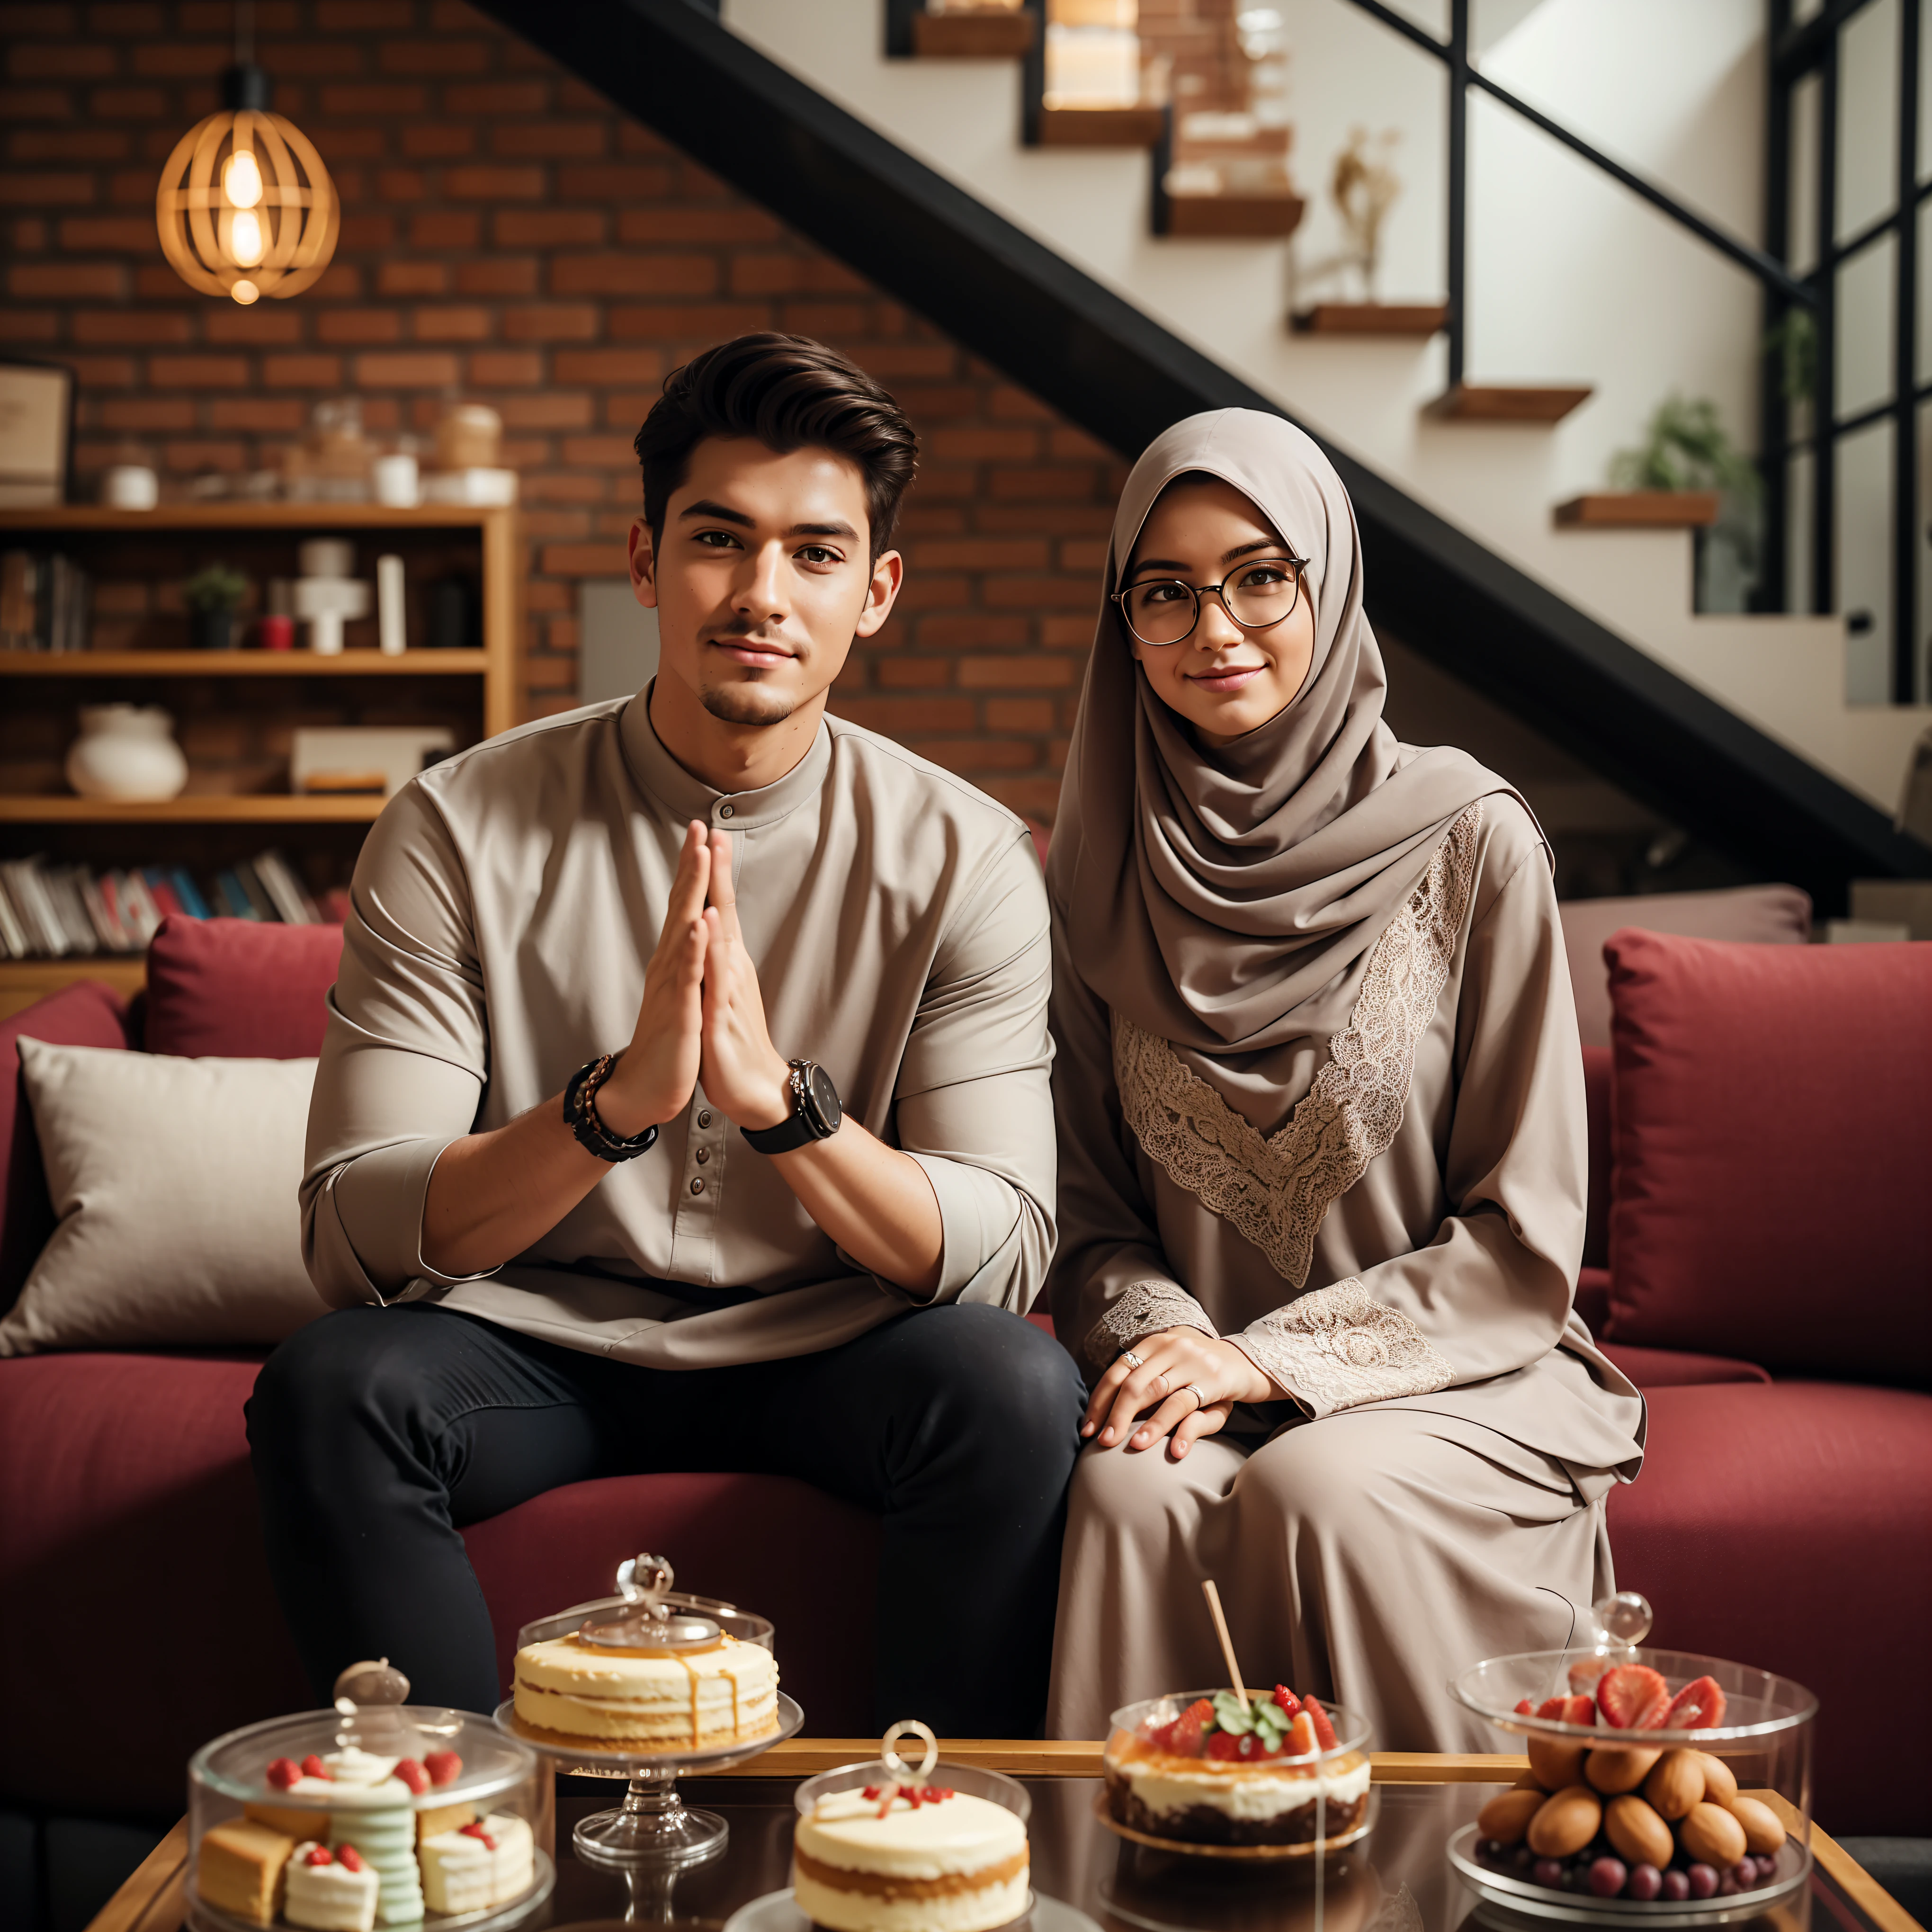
column 685, row 1106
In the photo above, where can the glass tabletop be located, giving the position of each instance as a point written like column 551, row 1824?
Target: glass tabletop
column 1396, row 1880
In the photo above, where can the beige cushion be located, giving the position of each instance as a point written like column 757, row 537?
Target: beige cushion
column 1756, row 915
column 175, row 1184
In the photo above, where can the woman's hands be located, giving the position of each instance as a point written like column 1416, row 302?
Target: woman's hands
column 1170, row 1362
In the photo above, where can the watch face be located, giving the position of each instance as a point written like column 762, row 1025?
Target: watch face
column 822, row 1098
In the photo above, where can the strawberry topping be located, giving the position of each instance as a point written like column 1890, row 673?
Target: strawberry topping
column 283, row 1772
column 1633, row 1697
column 1224, row 1745
column 1300, row 1741
column 1698, row 1706
column 350, row 1858
column 1289, row 1703
column 1579, row 1711
column 1182, row 1738
column 474, row 1829
column 314, row 1767
column 443, row 1767
column 1324, row 1730
column 413, row 1775
column 318, row 1855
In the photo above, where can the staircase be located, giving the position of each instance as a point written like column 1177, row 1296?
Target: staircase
column 1043, row 259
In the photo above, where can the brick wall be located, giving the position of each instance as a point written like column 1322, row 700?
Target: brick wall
column 508, row 237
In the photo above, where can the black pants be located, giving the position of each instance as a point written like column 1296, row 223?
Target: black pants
column 377, row 1433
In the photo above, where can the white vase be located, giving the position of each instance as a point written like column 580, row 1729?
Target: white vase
column 126, row 751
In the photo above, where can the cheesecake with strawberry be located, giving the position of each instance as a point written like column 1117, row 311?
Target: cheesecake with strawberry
column 1215, row 1768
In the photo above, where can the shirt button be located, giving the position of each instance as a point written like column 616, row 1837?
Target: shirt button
column 727, row 811
column 697, row 1187
column 703, row 1155
column 704, row 1116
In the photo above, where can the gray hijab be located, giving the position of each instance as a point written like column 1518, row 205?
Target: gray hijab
column 1212, row 896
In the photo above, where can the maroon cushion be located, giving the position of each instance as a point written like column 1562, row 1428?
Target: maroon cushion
column 770, row 1543
column 1773, row 1135
column 241, row 991
column 1672, row 1368
column 86, row 1014
column 1598, row 1062
column 1783, row 1527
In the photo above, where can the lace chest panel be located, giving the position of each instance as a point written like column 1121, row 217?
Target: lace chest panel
column 1274, row 1189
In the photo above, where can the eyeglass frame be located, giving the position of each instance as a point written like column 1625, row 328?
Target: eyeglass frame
column 1201, row 591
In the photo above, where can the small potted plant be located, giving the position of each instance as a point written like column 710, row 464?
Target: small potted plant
column 213, row 595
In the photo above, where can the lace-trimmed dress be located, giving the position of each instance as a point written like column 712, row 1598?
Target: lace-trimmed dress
column 1388, row 1220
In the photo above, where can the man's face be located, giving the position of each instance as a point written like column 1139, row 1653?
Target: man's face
column 763, row 577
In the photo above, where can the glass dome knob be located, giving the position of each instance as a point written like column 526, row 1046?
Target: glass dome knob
column 1624, row 1618
column 647, row 1620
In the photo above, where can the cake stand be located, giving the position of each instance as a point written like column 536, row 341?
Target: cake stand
column 653, row 1830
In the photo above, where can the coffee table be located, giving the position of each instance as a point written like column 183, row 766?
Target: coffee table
column 1396, row 1880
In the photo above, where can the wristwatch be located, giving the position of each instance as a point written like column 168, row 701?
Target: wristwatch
column 580, row 1113
column 815, row 1112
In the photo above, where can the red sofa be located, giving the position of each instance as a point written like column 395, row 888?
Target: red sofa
column 1780, row 1521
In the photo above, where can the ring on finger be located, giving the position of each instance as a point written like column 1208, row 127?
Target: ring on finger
column 1194, row 1390
column 1132, row 1360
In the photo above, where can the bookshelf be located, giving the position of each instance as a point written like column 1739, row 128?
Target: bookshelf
column 234, row 709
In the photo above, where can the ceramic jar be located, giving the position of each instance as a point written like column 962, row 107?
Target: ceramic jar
column 126, row 751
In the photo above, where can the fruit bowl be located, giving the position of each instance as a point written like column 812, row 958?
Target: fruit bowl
column 1199, row 1771
column 1663, row 1785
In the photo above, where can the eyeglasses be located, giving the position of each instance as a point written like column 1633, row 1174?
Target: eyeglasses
column 1256, row 594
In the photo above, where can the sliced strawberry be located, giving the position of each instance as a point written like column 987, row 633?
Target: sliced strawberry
column 1185, row 1733
column 1222, row 1745
column 349, row 1857
column 443, row 1767
column 283, row 1772
column 1698, row 1706
column 314, row 1767
column 1579, row 1710
column 1301, row 1741
column 1324, row 1730
column 1633, row 1697
column 1585, row 1673
column 318, row 1855
column 1553, row 1707
column 413, row 1775
column 1525, row 1708
column 1289, row 1703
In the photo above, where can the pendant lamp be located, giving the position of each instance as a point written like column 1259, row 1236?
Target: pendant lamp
column 245, row 207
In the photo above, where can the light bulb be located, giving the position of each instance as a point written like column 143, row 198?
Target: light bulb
column 245, row 292
column 242, row 179
column 244, row 239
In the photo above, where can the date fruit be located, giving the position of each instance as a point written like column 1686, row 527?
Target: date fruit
column 1614, row 1771
column 1506, row 1818
column 1763, row 1830
column 1554, row 1764
column 1676, row 1782
column 1710, row 1835
column 1721, row 1782
column 1569, row 1820
column 1638, row 1833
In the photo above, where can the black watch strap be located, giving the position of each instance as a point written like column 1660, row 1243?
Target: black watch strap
column 579, row 1111
column 805, row 1123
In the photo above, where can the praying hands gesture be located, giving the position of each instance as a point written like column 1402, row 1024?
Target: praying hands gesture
column 1190, row 1381
column 701, row 1019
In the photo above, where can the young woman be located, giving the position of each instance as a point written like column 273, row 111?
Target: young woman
column 1320, row 1103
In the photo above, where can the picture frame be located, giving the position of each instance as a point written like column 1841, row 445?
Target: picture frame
column 36, row 433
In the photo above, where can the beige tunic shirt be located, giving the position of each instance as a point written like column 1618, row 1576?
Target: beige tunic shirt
column 1392, row 1214
column 505, row 907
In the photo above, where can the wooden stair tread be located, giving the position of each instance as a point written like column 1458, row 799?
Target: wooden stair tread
column 1508, row 403
column 1263, row 216
column 1638, row 510
column 1420, row 319
column 1101, row 127
column 972, row 36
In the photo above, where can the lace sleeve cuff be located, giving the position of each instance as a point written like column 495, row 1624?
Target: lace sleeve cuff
column 1141, row 1308
column 1339, row 1347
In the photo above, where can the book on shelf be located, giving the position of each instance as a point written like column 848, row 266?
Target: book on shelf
column 45, row 599
column 53, row 911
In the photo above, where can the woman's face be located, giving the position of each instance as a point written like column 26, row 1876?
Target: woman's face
column 1224, row 680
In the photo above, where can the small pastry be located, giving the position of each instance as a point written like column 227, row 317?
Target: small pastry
column 331, row 1891
column 239, row 1868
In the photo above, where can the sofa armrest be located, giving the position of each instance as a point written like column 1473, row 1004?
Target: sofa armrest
column 86, row 1014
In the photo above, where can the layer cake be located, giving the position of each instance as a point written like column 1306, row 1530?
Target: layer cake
column 683, row 1700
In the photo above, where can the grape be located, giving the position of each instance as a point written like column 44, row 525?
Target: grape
column 1703, row 1881
column 1645, row 1881
column 1767, row 1866
column 1522, row 1857
column 1676, row 1886
column 1607, row 1877
column 1547, row 1871
column 1745, row 1872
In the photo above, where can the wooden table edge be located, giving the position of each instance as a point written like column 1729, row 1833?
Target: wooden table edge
column 142, row 1902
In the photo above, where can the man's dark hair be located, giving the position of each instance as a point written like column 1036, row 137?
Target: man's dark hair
column 791, row 393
